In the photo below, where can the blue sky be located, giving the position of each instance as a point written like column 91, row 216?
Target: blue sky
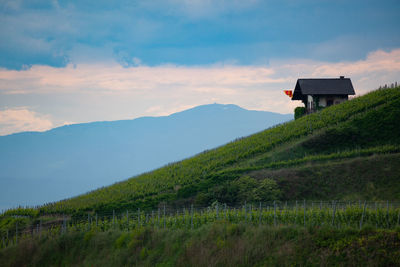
column 47, row 39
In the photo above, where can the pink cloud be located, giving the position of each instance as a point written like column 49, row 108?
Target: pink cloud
column 378, row 61
column 18, row 120
column 109, row 91
column 113, row 77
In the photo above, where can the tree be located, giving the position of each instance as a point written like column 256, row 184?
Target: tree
column 244, row 187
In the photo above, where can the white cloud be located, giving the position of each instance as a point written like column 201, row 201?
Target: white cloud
column 18, row 120
column 378, row 61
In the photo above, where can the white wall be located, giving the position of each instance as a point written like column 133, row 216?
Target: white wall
column 310, row 101
column 336, row 100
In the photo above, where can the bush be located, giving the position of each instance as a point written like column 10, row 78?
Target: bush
column 244, row 186
column 250, row 190
column 299, row 112
column 267, row 190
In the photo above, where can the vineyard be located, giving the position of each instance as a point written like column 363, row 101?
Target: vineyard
column 334, row 214
column 360, row 127
column 239, row 202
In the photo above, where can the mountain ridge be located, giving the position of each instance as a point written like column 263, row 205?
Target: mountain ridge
column 175, row 114
column 80, row 155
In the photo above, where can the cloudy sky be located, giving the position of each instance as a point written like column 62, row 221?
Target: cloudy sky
column 65, row 62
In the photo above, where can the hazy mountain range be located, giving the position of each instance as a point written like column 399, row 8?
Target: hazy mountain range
column 39, row 167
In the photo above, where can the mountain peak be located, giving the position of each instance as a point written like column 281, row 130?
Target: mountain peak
column 210, row 109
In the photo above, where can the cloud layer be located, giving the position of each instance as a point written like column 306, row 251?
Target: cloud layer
column 90, row 92
column 192, row 32
column 20, row 120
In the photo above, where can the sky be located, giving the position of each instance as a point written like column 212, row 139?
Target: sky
column 64, row 62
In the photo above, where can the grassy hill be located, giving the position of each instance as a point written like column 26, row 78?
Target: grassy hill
column 347, row 151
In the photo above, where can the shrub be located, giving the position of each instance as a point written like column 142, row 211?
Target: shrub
column 267, row 190
column 244, row 186
column 299, row 112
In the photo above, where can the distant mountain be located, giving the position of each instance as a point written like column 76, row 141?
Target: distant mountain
column 39, row 167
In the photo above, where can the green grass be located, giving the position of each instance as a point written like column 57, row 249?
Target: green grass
column 217, row 244
column 374, row 177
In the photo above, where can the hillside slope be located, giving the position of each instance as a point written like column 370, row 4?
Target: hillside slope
column 346, row 152
column 359, row 128
column 41, row 167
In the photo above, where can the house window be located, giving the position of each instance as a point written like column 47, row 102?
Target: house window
column 329, row 102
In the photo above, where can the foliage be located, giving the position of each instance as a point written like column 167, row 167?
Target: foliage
column 245, row 185
column 299, row 112
column 268, row 190
column 31, row 212
column 220, row 244
column 348, row 214
column 241, row 190
column 374, row 178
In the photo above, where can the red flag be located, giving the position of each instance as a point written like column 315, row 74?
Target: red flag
column 288, row 93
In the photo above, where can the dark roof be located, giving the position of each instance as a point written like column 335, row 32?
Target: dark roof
column 335, row 86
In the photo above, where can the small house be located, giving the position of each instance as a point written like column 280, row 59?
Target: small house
column 317, row 93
